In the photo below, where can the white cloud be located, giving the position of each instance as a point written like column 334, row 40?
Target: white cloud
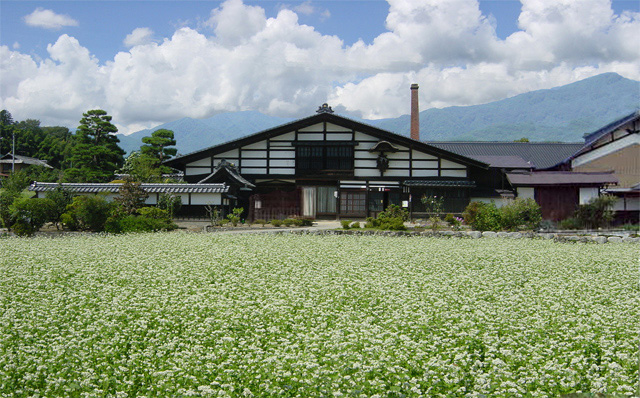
column 278, row 66
column 139, row 36
column 47, row 19
column 16, row 45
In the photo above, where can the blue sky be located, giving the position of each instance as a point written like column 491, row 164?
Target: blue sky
column 285, row 57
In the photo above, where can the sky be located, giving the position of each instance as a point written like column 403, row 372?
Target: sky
column 150, row 62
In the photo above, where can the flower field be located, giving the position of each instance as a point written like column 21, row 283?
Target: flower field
column 178, row 314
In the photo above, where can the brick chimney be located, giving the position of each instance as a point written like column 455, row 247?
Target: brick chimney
column 415, row 113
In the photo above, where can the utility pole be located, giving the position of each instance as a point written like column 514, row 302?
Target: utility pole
column 13, row 152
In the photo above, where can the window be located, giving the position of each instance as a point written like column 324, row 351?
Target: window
column 353, row 203
column 320, row 157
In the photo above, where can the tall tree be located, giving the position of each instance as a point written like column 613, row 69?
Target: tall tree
column 6, row 129
column 158, row 145
column 97, row 155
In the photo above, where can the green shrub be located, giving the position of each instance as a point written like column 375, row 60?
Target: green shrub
column 394, row 211
column 155, row 213
column 276, row 222
column 372, row 222
column 7, row 197
column 470, row 212
column 570, row 223
column 345, row 223
column 260, row 221
column 235, row 216
column 303, row 221
column 487, row 218
column 29, row 215
column 87, row 213
column 597, row 213
column 170, row 202
column 288, row 222
column 520, row 213
column 355, row 224
column 392, row 224
column 61, row 199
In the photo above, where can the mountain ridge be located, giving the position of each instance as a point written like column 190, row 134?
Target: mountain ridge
column 563, row 113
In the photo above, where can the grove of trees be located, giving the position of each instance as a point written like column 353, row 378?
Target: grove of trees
column 91, row 154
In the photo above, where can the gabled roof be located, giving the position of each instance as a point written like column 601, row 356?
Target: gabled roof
column 226, row 169
column 537, row 178
column 610, row 128
column 541, row 155
column 393, row 138
column 19, row 159
column 115, row 187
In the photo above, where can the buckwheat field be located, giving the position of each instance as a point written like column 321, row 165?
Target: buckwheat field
column 176, row 314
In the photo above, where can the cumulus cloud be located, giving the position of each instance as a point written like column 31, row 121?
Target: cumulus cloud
column 243, row 60
column 139, row 36
column 47, row 19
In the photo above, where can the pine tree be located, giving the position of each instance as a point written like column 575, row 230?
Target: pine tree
column 97, row 155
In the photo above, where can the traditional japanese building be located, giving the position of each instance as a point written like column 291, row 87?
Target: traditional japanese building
column 330, row 166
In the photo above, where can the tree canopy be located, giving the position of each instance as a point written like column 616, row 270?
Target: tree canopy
column 97, row 155
column 158, row 145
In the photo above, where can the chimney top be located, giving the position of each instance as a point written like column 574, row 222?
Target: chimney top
column 415, row 113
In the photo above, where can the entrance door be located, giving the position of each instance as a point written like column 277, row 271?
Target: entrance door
column 353, row 204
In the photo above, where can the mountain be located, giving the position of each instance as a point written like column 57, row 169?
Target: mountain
column 193, row 134
column 563, row 113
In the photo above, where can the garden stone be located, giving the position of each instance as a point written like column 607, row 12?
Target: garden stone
column 600, row 239
column 515, row 235
column 614, row 239
column 628, row 239
column 503, row 234
column 448, row 233
column 474, row 234
column 489, row 234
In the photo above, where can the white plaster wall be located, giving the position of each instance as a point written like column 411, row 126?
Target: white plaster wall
column 425, row 173
column 205, row 198
column 447, row 164
column 454, row 173
column 339, row 137
column 421, row 155
column 606, row 150
column 254, row 163
column 283, row 154
column 256, row 145
column 310, row 136
column 628, row 204
column 315, row 127
column 335, row 127
column 282, row 163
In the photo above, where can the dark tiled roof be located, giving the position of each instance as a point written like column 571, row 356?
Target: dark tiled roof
column 507, row 162
column 541, row 155
column 440, row 183
column 231, row 171
column 561, row 178
column 114, row 188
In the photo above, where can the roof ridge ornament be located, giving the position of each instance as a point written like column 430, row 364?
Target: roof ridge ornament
column 324, row 108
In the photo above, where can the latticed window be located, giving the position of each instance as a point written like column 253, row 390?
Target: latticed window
column 316, row 158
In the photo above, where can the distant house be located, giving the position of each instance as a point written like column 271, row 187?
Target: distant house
column 530, row 170
column 615, row 148
column 10, row 162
